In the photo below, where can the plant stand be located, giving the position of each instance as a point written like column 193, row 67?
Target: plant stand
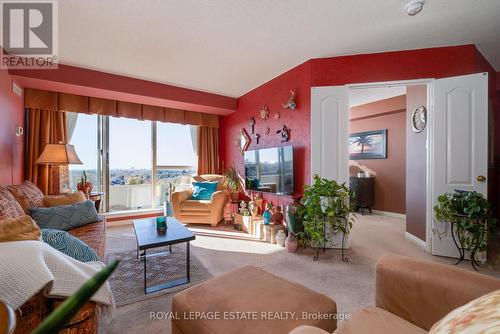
column 316, row 257
column 462, row 250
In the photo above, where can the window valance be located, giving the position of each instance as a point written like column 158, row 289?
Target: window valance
column 48, row 100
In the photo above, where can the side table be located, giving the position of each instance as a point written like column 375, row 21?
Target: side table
column 97, row 198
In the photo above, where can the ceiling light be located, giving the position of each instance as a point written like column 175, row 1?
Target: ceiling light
column 414, row 7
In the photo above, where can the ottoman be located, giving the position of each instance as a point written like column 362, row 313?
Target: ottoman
column 250, row 300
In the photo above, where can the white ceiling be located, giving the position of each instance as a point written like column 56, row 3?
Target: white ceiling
column 358, row 97
column 232, row 46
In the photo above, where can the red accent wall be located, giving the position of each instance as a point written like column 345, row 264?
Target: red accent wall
column 387, row 66
column 11, row 146
column 390, row 182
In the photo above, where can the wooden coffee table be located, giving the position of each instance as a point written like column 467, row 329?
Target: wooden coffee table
column 148, row 237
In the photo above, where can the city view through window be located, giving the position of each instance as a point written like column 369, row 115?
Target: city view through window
column 134, row 182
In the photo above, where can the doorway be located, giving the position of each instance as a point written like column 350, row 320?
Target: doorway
column 456, row 139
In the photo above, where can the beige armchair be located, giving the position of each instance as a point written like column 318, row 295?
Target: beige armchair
column 209, row 212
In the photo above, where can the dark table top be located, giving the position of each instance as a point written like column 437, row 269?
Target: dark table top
column 148, row 237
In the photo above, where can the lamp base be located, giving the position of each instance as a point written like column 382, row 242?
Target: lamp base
column 59, row 180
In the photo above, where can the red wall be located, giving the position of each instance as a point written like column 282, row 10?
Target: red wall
column 390, row 182
column 11, row 146
column 387, row 66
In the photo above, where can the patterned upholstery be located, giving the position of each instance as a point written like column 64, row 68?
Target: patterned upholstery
column 28, row 195
column 94, row 235
column 9, row 207
column 69, row 245
column 65, row 217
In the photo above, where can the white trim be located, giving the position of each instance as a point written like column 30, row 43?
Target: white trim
column 389, row 214
column 416, row 240
column 382, row 84
column 131, row 213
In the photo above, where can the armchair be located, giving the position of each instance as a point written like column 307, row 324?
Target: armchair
column 209, row 212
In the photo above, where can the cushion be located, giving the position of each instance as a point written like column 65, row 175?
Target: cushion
column 28, row 195
column 94, row 235
column 211, row 178
column 65, row 217
column 192, row 205
column 203, row 190
column 374, row 320
column 65, row 199
column 9, row 206
column 20, row 228
column 69, row 245
column 482, row 315
column 256, row 291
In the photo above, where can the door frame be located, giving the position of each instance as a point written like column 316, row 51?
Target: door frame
column 429, row 139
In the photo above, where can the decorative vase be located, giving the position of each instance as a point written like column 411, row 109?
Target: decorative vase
column 254, row 208
column 85, row 188
column 167, row 209
column 291, row 243
column 280, row 238
column 277, row 216
column 267, row 217
column 293, row 216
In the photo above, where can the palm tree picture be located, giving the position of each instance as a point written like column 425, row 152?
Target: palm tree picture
column 368, row 145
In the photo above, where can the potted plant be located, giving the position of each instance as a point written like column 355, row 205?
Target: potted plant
column 327, row 216
column 84, row 185
column 471, row 215
column 232, row 182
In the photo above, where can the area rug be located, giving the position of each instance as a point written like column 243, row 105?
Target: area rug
column 127, row 282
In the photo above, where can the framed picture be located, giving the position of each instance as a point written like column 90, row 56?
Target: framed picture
column 368, row 145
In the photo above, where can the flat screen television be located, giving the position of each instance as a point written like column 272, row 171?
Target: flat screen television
column 270, row 170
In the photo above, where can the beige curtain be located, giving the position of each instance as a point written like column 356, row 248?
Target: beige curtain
column 208, row 150
column 44, row 126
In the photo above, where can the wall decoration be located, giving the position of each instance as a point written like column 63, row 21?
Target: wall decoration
column 252, row 124
column 285, row 133
column 419, row 119
column 243, row 141
column 264, row 113
column 290, row 104
column 268, row 131
column 257, row 137
column 368, row 145
column 276, row 115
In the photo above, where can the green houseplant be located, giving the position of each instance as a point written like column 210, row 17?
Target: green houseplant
column 471, row 214
column 330, row 201
column 232, row 182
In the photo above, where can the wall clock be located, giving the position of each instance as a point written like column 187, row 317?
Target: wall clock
column 419, row 119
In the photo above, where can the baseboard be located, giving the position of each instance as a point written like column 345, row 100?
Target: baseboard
column 389, row 214
column 416, row 240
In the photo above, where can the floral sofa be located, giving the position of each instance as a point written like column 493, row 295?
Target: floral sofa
column 14, row 202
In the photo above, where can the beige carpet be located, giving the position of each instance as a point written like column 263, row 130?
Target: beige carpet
column 351, row 284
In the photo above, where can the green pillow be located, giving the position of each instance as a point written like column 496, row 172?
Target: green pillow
column 69, row 245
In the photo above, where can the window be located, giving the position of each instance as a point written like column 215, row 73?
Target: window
column 176, row 158
column 130, row 164
column 84, row 135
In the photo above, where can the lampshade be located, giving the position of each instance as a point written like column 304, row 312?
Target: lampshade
column 59, row 154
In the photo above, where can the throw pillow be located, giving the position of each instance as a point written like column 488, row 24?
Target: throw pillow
column 202, row 191
column 65, row 217
column 69, row 245
column 28, row 195
column 65, row 199
column 17, row 229
column 9, row 206
column 482, row 315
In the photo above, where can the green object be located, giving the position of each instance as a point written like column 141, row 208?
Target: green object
column 203, row 191
column 471, row 213
column 232, row 179
column 61, row 315
column 326, row 200
column 161, row 223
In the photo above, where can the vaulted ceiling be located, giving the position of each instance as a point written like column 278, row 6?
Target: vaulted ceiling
column 232, row 46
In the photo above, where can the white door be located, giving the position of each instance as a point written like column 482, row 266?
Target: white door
column 330, row 132
column 459, row 145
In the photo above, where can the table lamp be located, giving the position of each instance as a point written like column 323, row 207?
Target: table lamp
column 58, row 156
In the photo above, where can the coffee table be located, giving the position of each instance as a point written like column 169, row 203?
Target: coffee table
column 148, row 237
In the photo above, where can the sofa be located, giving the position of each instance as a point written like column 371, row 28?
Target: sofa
column 211, row 212
column 411, row 296
column 14, row 202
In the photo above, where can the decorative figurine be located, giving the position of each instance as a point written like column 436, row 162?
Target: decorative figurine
column 252, row 124
column 268, row 130
column 264, row 113
column 257, row 137
column 285, row 134
column 276, row 115
column 277, row 215
column 290, row 104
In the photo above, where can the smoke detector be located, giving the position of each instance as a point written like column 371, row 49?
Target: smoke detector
column 414, row 7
